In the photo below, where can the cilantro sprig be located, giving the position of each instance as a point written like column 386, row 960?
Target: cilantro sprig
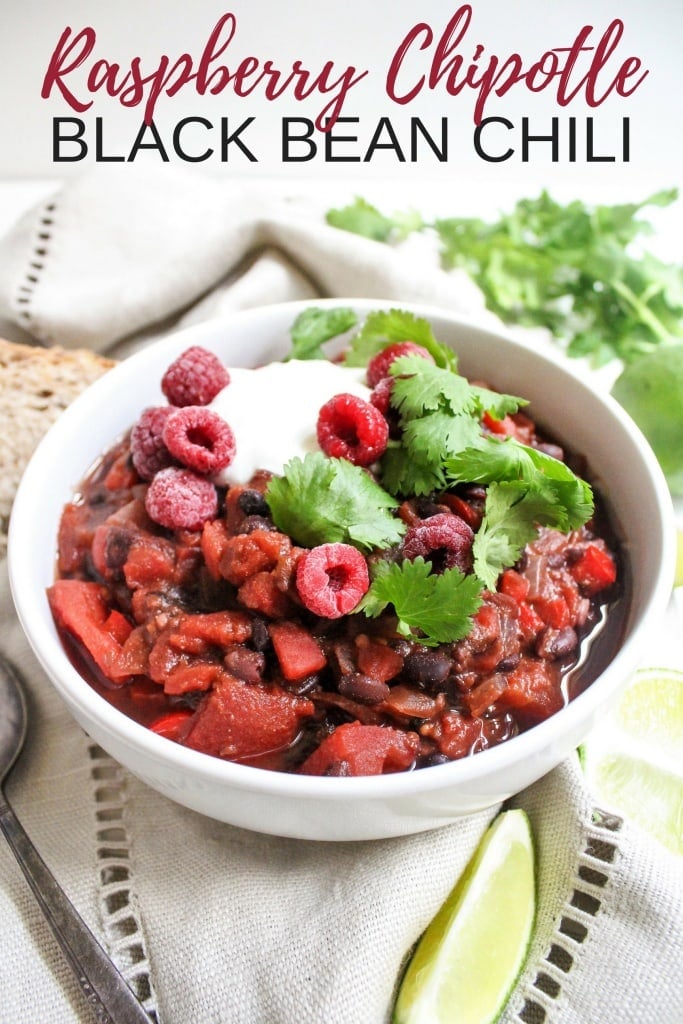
column 440, row 415
column 526, row 489
column 316, row 325
column 320, row 500
column 431, row 608
column 574, row 269
column 384, row 327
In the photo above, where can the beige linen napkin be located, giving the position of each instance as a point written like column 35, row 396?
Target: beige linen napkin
column 209, row 922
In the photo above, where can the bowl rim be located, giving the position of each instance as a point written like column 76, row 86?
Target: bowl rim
column 76, row 691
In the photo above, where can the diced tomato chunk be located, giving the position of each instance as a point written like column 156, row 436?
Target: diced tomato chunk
column 150, row 560
column 237, row 720
column 192, row 677
column 213, row 542
column 173, row 725
column 514, row 585
column 504, row 427
column 219, row 628
column 456, row 734
column 298, row 652
column 594, row 570
column 80, row 608
column 554, row 611
column 246, row 554
column 377, row 660
column 134, row 657
column 530, row 622
column 533, row 691
column 356, row 749
column 118, row 626
column 262, row 594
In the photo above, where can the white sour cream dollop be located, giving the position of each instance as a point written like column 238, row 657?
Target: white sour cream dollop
column 273, row 411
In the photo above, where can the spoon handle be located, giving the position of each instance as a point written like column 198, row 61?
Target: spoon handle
column 106, row 991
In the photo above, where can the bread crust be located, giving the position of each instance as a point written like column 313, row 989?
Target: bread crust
column 36, row 385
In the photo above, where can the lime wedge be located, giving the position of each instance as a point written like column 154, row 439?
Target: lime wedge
column 651, row 389
column 678, row 580
column 633, row 760
column 468, row 960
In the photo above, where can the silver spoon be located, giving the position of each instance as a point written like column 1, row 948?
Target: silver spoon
column 109, row 996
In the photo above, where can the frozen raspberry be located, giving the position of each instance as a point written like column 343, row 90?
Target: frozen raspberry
column 350, row 428
column 194, row 378
column 181, row 500
column 444, row 539
column 147, row 448
column 378, row 366
column 331, row 579
column 199, row 438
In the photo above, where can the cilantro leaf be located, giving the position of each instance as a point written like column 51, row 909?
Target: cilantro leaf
column 512, row 512
column 431, row 438
column 316, row 325
column 384, row 327
column 495, row 403
column 362, row 218
column 431, row 608
column 319, row 500
column 567, row 498
column 407, row 472
column 420, row 386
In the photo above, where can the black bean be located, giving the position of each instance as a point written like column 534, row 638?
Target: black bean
column 363, row 688
column 260, row 637
column 553, row 644
column 252, row 503
column 304, row 686
column 429, row 760
column 428, row 669
column 117, row 546
column 508, row 664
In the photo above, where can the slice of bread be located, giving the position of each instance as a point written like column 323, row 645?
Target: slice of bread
column 36, row 385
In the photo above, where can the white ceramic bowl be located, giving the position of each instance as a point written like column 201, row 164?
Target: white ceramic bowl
column 343, row 808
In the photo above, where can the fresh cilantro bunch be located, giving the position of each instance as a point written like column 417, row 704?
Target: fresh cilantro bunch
column 572, row 269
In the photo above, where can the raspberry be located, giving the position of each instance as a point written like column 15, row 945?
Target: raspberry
column 350, row 428
column 381, row 395
column 331, row 579
column 147, row 448
column 194, row 378
column 181, row 500
column 199, row 438
column 444, row 539
column 378, row 366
